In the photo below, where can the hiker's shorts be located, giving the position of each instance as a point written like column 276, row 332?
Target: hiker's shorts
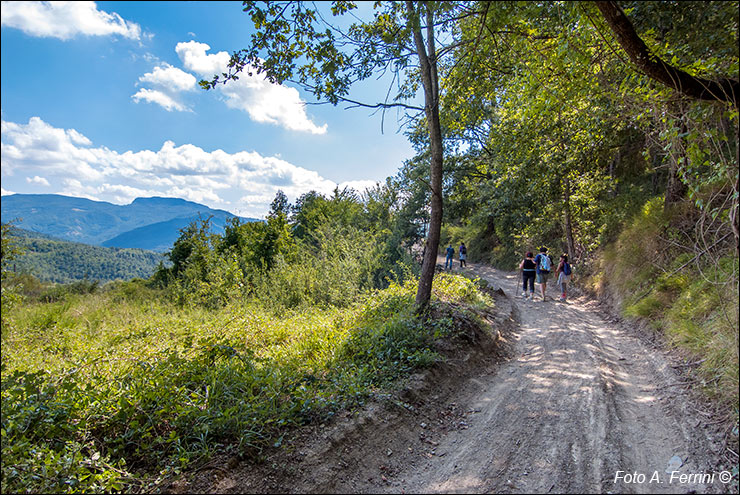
column 542, row 278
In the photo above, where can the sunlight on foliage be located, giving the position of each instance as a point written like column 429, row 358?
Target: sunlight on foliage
column 102, row 388
column 690, row 298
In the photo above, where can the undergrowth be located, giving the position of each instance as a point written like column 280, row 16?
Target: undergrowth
column 116, row 390
column 689, row 297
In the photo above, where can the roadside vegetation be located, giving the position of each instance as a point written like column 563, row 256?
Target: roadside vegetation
column 550, row 137
column 270, row 326
column 688, row 297
column 113, row 390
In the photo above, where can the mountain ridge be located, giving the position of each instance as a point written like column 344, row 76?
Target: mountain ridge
column 100, row 223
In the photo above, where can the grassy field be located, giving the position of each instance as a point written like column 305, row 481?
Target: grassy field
column 118, row 389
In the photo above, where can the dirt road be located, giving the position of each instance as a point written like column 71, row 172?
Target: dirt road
column 579, row 406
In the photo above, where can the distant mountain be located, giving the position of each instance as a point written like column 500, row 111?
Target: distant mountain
column 162, row 235
column 146, row 223
column 59, row 261
column 27, row 234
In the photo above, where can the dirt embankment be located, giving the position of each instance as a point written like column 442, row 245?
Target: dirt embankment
column 562, row 402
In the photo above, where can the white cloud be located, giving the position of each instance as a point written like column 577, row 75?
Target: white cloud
column 162, row 99
column 194, row 58
column 78, row 138
column 359, row 185
column 65, row 20
column 269, row 103
column 73, row 187
column 37, row 180
column 243, row 182
column 170, row 78
column 170, row 82
column 45, row 148
column 263, row 101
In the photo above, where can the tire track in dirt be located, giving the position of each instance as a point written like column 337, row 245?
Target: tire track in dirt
column 571, row 401
column 578, row 402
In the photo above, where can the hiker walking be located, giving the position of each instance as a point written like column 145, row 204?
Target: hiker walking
column 463, row 254
column 563, row 272
column 450, row 252
column 529, row 271
column 544, row 264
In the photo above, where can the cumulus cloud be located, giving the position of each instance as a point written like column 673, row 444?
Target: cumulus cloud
column 263, row 101
column 65, row 20
column 160, row 98
column 170, row 77
column 195, row 58
column 244, row 182
column 170, row 82
column 45, row 148
column 37, row 180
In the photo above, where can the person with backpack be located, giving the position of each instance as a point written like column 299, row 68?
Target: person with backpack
column 564, row 272
column 450, row 252
column 544, row 264
column 463, row 254
column 529, row 269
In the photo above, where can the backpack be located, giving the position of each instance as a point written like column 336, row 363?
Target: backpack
column 566, row 268
column 544, row 263
column 464, row 250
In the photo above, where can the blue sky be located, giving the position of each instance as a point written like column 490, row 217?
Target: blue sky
column 100, row 100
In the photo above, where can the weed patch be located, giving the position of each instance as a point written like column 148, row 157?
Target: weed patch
column 690, row 298
column 108, row 391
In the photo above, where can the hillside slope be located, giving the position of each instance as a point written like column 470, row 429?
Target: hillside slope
column 95, row 222
column 161, row 236
column 580, row 403
column 54, row 260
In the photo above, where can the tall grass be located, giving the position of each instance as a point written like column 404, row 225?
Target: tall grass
column 116, row 389
column 690, row 299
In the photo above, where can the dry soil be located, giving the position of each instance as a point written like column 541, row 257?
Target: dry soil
column 560, row 400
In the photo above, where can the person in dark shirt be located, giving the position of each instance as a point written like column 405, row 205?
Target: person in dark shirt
column 450, row 252
column 529, row 271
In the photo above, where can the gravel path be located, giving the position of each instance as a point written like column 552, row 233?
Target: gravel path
column 575, row 404
column 581, row 408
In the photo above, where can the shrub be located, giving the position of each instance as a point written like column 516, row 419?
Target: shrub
column 106, row 392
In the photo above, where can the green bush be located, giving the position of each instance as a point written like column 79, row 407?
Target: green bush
column 107, row 392
column 704, row 320
column 60, row 292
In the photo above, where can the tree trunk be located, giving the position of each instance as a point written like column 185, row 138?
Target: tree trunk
column 724, row 89
column 428, row 64
column 675, row 189
column 735, row 207
column 568, row 223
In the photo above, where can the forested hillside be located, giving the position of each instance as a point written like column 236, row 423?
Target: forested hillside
column 604, row 131
column 146, row 223
column 55, row 260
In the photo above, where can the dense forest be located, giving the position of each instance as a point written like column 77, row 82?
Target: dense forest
column 604, row 130
column 62, row 262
